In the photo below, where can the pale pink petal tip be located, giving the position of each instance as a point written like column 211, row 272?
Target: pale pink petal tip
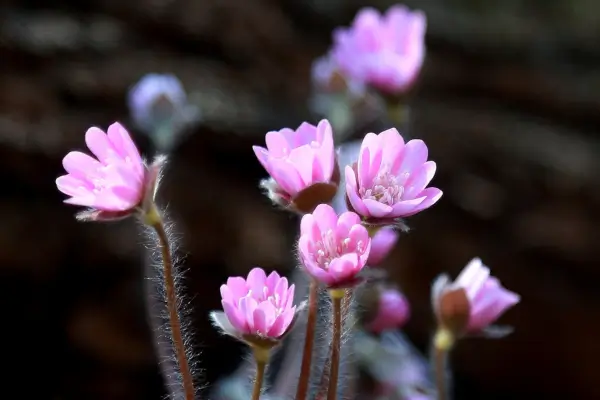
column 390, row 179
column 110, row 183
column 258, row 307
column 333, row 249
column 384, row 51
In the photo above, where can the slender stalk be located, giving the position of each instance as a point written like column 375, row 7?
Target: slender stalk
column 346, row 301
column 171, row 297
column 336, row 297
column 261, row 356
column 308, row 342
column 442, row 343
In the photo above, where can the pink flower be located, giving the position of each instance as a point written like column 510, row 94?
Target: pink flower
column 115, row 183
column 389, row 181
column 381, row 245
column 333, row 250
column 257, row 308
column 393, row 311
column 300, row 162
column 473, row 301
column 385, row 51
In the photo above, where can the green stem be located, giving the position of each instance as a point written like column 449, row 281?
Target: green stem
column 261, row 356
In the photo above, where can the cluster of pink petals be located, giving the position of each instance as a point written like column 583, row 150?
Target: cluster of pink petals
column 386, row 51
column 391, row 177
column 333, row 249
column 381, row 245
column 113, row 180
column 260, row 305
column 393, row 311
column 488, row 300
column 297, row 159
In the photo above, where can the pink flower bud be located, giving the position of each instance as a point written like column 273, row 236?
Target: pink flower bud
column 258, row 310
column 392, row 312
column 115, row 183
column 389, row 181
column 385, row 51
column 473, row 302
column 333, row 249
column 302, row 166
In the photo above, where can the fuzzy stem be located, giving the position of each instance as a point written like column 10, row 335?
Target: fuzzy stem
column 336, row 297
column 313, row 292
column 261, row 356
column 155, row 221
column 442, row 343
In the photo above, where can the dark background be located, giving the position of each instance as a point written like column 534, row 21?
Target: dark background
column 508, row 103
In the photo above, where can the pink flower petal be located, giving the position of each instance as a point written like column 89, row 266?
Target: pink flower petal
column 381, row 245
column 419, row 179
column 277, row 144
column 432, row 195
column 326, row 217
column 235, row 317
column 377, row 209
column 352, row 193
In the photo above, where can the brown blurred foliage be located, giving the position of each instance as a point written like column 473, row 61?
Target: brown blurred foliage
column 508, row 103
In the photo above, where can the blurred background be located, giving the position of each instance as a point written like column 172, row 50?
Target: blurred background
column 508, row 103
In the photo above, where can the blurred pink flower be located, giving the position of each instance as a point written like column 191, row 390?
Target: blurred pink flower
column 473, row 301
column 381, row 245
column 333, row 250
column 326, row 76
column 115, row 182
column 298, row 160
column 259, row 307
column 386, row 51
column 389, row 181
column 393, row 311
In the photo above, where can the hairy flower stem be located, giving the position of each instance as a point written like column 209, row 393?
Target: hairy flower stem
column 313, row 292
column 154, row 219
column 346, row 302
column 442, row 343
column 261, row 356
column 336, row 296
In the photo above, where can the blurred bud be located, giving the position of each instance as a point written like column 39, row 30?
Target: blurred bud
column 159, row 106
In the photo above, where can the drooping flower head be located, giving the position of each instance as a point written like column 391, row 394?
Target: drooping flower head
column 301, row 164
column 473, row 302
column 384, row 51
column 333, row 249
column 258, row 310
column 113, row 184
column 392, row 311
column 381, row 245
column 390, row 179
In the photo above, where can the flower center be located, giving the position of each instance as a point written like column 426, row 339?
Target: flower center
column 387, row 188
column 329, row 248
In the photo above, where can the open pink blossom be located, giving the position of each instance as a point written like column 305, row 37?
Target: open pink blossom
column 392, row 312
column 473, row 302
column 259, row 307
column 333, row 249
column 389, row 181
column 381, row 245
column 299, row 161
column 114, row 182
column 386, row 51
